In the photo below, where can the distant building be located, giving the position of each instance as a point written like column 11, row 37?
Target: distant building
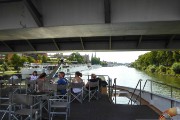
column 86, row 58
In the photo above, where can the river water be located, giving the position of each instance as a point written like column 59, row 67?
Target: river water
column 127, row 76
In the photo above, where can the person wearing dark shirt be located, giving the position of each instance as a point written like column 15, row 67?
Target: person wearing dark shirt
column 93, row 79
column 62, row 81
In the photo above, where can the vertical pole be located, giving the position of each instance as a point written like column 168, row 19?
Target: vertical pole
column 151, row 89
column 140, row 92
column 171, row 92
column 109, row 87
column 115, row 89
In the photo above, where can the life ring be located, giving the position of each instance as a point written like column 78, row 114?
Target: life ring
column 170, row 113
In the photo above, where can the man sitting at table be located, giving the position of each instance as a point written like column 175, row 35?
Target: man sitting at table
column 62, row 81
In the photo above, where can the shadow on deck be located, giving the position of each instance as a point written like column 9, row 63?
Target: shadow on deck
column 102, row 109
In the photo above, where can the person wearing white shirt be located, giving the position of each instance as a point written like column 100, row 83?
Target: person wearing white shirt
column 34, row 76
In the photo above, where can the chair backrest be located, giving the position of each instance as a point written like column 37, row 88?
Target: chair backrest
column 77, row 85
column 52, row 87
column 22, row 99
column 94, row 84
column 62, row 87
column 31, row 81
column 14, row 81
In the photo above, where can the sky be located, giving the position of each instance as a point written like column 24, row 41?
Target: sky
column 120, row 57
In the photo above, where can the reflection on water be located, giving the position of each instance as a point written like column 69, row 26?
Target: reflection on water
column 130, row 76
column 170, row 80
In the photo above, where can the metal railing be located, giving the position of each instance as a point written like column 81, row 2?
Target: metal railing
column 161, row 86
column 139, row 95
column 114, row 90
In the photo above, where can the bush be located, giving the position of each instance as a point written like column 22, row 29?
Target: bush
column 162, row 68
column 151, row 68
column 176, row 68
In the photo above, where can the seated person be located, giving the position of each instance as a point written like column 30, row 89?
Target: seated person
column 93, row 79
column 13, row 79
column 102, row 81
column 32, row 80
column 77, row 79
column 62, row 81
column 34, row 76
column 40, row 82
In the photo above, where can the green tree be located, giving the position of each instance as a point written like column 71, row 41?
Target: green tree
column 31, row 59
column 16, row 61
column 1, row 61
column 45, row 59
column 159, row 61
column 176, row 68
column 39, row 58
column 95, row 61
column 104, row 63
column 23, row 60
column 176, row 56
column 76, row 57
column 5, row 66
column 6, row 58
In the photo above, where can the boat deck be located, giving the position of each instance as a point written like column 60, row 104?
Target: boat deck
column 102, row 109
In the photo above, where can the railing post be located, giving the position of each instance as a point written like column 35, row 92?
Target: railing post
column 115, row 89
column 171, row 92
column 151, row 89
column 140, row 92
column 109, row 87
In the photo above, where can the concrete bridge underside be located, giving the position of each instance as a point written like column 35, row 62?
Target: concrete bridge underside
column 59, row 25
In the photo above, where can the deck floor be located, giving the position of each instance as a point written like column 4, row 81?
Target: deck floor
column 102, row 109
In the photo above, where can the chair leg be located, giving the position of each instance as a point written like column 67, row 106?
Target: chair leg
column 66, row 116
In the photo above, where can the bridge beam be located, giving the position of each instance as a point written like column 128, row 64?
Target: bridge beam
column 139, row 41
column 56, row 45
column 107, row 11
column 5, row 44
column 29, row 43
column 34, row 12
column 9, row 1
column 110, row 43
column 170, row 41
column 82, row 44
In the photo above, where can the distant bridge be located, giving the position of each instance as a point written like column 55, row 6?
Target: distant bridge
column 113, row 25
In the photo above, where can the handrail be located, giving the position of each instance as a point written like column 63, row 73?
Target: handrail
column 110, row 89
column 163, row 84
column 114, row 86
column 139, row 82
column 171, row 87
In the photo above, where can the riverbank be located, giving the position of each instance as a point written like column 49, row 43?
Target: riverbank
column 8, row 72
column 162, row 70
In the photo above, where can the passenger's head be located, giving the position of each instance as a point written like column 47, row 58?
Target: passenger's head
column 43, row 75
column 35, row 73
column 61, row 74
column 78, row 74
column 93, row 76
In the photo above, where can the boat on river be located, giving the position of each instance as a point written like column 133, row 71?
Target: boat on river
column 139, row 104
column 48, row 68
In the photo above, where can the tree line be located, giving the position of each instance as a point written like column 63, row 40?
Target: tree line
column 17, row 61
column 164, row 62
